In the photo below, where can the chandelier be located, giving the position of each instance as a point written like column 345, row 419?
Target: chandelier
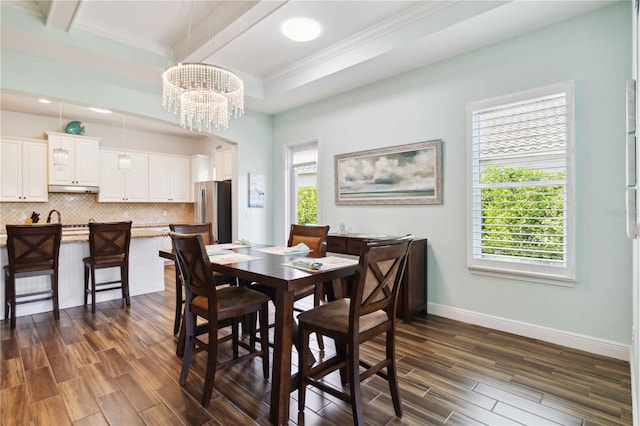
column 205, row 95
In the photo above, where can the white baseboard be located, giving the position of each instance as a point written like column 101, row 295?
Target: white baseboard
column 559, row 337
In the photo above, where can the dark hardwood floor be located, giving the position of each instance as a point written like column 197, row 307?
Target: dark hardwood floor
column 119, row 367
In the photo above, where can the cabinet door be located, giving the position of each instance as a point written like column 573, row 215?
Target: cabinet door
column 137, row 179
column 34, row 171
column 10, row 170
column 159, row 167
column 86, row 160
column 224, row 164
column 61, row 175
column 180, row 179
column 111, row 179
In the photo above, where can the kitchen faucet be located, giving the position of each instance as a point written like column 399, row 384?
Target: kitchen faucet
column 50, row 213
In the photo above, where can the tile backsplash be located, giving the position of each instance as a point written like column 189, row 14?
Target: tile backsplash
column 79, row 208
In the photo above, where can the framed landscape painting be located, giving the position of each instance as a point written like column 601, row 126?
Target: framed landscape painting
column 404, row 174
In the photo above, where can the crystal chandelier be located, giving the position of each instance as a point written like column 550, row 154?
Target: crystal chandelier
column 205, row 95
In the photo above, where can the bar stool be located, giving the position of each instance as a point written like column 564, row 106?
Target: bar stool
column 108, row 248
column 32, row 250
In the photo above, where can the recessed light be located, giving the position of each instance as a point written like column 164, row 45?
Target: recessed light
column 301, row 29
column 44, row 101
column 100, row 110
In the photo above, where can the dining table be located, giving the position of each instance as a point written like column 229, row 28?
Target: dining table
column 272, row 270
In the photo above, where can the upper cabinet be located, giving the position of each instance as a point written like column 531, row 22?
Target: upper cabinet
column 224, row 164
column 84, row 159
column 23, row 170
column 169, row 178
column 123, row 186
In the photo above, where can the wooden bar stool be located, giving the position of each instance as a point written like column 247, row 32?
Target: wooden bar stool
column 32, row 250
column 108, row 248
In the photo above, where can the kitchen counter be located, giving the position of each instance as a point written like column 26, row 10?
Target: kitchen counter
column 146, row 271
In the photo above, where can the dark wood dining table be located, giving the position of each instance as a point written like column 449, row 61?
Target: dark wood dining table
column 270, row 270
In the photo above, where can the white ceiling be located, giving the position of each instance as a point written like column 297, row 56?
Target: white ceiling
column 362, row 41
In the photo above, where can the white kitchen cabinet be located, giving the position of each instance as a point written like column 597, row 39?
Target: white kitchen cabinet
column 123, row 186
column 84, row 160
column 169, row 178
column 224, row 164
column 23, row 170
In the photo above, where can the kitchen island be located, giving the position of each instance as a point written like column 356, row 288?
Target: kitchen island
column 146, row 272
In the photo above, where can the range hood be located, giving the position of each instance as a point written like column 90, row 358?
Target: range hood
column 77, row 189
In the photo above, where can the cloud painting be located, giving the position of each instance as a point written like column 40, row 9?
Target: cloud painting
column 408, row 174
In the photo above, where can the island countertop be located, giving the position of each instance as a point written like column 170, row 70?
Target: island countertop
column 74, row 236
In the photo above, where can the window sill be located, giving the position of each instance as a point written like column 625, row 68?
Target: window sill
column 524, row 276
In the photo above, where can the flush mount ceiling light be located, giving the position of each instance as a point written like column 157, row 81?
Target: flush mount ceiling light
column 44, row 101
column 204, row 95
column 301, row 29
column 100, row 110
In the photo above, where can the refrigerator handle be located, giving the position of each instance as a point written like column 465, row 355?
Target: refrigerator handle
column 203, row 204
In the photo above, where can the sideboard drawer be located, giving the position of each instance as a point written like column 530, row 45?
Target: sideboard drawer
column 353, row 245
column 337, row 245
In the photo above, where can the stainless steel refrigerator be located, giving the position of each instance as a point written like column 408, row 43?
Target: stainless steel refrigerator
column 212, row 203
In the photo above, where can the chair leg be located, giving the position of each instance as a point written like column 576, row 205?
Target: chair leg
column 93, row 289
column 212, row 359
column 317, row 295
column 264, row 339
column 234, row 336
column 303, row 368
column 54, row 288
column 124, row 275
column 391, row 374
column 10, row 284
column 353, row 367
column 7, row 296
column 86, row 283
column 187, row 347
column 176, row 321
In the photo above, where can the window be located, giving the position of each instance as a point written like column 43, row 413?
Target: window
column 302, row 183
column 521, row 179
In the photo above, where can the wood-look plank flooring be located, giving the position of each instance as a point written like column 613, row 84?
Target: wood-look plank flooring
column 118, row 367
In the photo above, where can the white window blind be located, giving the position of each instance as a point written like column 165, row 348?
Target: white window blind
column 521, row 201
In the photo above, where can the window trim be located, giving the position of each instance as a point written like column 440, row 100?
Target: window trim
column 522, row 271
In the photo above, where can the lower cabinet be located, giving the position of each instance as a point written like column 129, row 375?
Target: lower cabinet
column 413, row 291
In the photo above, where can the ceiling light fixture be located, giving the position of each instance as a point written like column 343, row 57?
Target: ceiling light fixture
column 44, row 101
column 60, row 155
column 301, row 29
column 204, row 94
column 124, row 161
column 100, row 110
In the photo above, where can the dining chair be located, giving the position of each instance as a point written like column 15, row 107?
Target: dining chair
column 204, row 229
column 217, row 308
column 369, row 312
column 108, row 248
column 314, row 237
column 32, row 250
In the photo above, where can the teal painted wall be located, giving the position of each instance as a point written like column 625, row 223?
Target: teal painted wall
column 429, row 103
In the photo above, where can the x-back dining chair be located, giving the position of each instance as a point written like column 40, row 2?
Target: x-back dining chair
column 109, row 244
column 32, row 250
column 369, row 312
column 314, row 237
column 218, row 308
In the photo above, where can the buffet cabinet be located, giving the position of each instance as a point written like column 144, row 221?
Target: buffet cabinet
column 413, row 290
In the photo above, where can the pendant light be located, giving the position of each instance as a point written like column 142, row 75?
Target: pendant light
column 60, row 155
column 124, row 161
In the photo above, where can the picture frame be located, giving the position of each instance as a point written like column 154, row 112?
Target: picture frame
column 256, row 190
column 403, row 174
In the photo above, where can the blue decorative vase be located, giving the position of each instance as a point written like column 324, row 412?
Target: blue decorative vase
column 75, row 128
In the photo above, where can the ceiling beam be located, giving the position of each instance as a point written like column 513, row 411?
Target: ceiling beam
column 62, row 14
